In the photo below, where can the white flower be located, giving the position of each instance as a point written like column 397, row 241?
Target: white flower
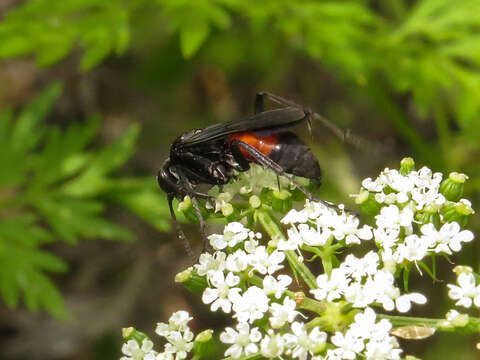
column 266, row 263
column 392, row 217
column 360, row 267
column 220, row 295
column 314, row 236
column 177, row 322
column 368, row 338
column 466, row 292
column 282, row 313
column 312, row 210
column 179, row 344
column 238, row 261
column 244, row 340
column 293, row 242
column 272, row 345
column 251, row 305
column 413, row 248
column 348, row 345
column 208, row 262
column 385, row 349
column 250, row 245
column 345, row 226
column 372, row 185
column 161, row 356
column 366, row 327
column 272, row 286
column 361, row 295
column 331, row 288
column 233, row 233
column 383, row 289
column 403, row 302
column 303, row 343
column 449, row 238
column 134, row 352
column 294, row 216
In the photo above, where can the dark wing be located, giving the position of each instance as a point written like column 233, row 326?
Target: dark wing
column 271, row 120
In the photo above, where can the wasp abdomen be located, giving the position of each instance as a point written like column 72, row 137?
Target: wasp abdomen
column 295, row 157
column 264, row 144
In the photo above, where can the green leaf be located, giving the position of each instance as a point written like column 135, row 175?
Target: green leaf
column 192, row 36
column 57, row 190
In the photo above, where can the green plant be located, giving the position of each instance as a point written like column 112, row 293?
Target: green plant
column 54, row 186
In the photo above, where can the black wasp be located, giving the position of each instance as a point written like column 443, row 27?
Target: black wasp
column 213, row 155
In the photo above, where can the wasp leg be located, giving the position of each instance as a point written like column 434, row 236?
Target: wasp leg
column 269, row 163
column 259, row 106
column 345, row 135
column 191, row 192
column 181, row 234
column 259, row 103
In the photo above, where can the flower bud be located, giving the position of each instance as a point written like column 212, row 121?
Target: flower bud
column 227, row 209
column 254, row 201
column 452, row 188
column 407, row 165
column 281, row 194
column 131, row 333
column 204, row 346
column 429, row 214
column 244, row 190
column 191, row 280
column 204, row 336
column 459, row 269
column 367, row 203
column 185, row 204
column 457, row 319
column 459, row 212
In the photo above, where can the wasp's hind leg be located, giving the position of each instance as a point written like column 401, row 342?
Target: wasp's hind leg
column 270, row 164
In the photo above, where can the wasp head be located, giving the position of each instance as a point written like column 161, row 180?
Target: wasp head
column 169, row 180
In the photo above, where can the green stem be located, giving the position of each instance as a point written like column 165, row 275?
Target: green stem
column 306, row 304
column 472, row 327
column 275, row 233
column 326, row 254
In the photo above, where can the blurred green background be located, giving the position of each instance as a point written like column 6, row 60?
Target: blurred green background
column 92, row 93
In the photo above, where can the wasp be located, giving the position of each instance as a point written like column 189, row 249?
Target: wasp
column 215, row 154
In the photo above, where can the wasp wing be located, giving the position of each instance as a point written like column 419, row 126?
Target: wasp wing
column 277, row 119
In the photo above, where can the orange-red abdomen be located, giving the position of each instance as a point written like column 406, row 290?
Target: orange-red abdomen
column 264, row 144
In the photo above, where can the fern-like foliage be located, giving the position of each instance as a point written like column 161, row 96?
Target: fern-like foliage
column 54, row 188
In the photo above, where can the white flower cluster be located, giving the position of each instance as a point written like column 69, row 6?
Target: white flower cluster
column 467, row 292
column 420, row 187
column 247, row 279
column 401, row 197
column 395, row 236
column 238, row 253
column 316, row 224
column 179, row 341
column 361, row 282
column 223, row 271
column 251, row 182
column 366, row 338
